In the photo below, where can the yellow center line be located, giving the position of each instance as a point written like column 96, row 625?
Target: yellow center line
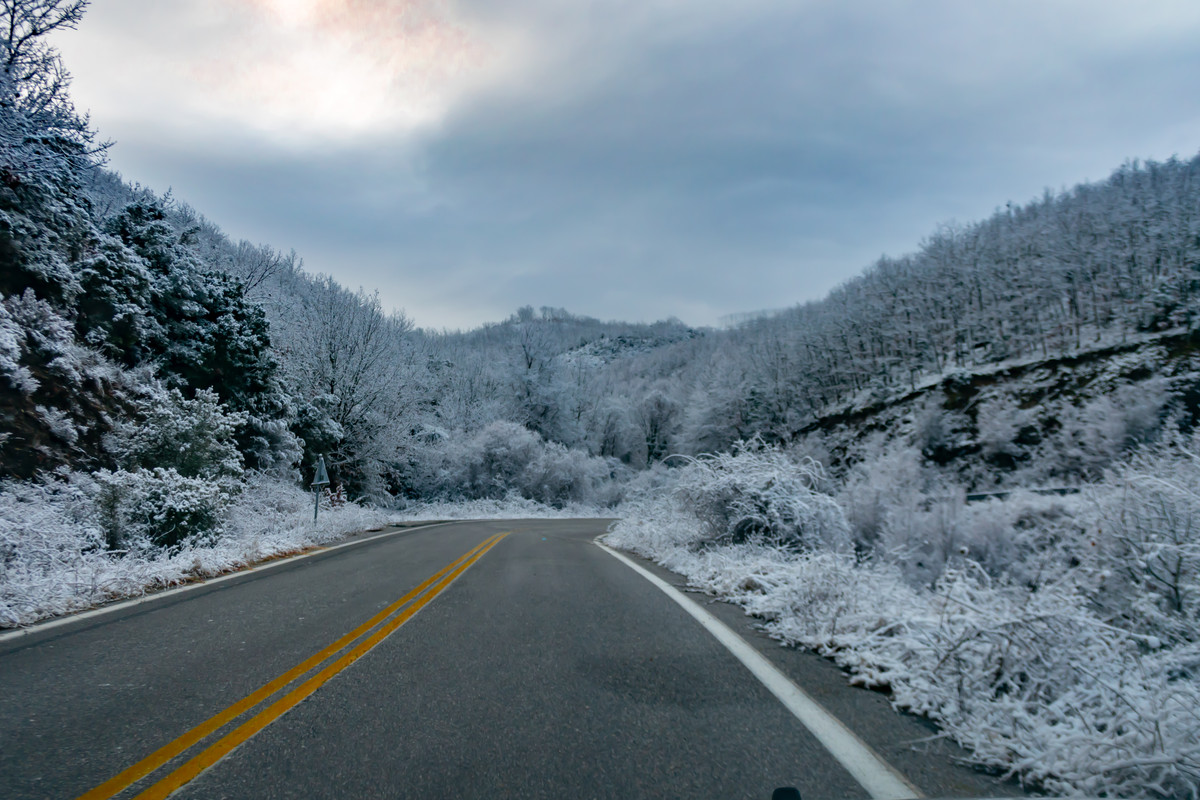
column 158, row 758
column 223, row 746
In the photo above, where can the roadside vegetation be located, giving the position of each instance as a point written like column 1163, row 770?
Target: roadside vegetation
column 971, row 474
column 1054, row 637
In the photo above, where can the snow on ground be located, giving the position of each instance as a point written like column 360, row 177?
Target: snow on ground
column 53, row 560
column 512, row 507
column 1061, row 668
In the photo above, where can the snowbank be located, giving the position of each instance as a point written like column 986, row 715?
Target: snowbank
column 53, row 558
column 1074, row 664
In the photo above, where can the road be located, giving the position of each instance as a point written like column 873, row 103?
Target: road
column 540, row 666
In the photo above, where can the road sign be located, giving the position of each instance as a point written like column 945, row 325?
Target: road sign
column 320, row 481
column 322, row 478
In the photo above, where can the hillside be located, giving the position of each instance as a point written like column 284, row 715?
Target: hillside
column 1041, row 421
column 166, row 393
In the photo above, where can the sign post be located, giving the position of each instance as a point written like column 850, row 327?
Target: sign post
column 320, row 481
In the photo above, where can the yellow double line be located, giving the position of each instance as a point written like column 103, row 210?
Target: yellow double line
column 422, row 594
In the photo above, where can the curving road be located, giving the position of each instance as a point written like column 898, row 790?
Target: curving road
column 437, row 662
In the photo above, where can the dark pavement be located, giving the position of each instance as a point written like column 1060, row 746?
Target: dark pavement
column 547, row 669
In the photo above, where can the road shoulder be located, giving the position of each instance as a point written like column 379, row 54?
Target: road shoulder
column 243, row 571
column 911, row 744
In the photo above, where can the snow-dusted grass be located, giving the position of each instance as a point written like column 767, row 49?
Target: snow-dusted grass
column 1073, row 661
column 512, row 507
column 53, row 558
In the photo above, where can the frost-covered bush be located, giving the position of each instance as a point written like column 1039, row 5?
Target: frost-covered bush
column 270, row 517
column 1000, row 424
column 904, row 512
column 269, row 444
column 180, row 469
column 938, row 433
column 158, row 507
column 494, row 461
column 1029, row 539
column 910, row 515
column 559, row 476
column 876, row 485
column 1057, row 640
column 194, row 438
column 1146, row 528
column 1034, row 683
column 504, row 459
column 1095, row 435
column 923, row 534
column 54, row 559
column 48, row 542
column 759, row 493
column 654, row 481
column 56, row 396
column 12, row 344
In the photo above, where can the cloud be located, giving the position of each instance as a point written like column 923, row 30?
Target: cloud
column 626, row 160
column 297, row 73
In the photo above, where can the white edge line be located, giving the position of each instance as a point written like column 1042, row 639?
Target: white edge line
column 38, row 627
column 880, row 779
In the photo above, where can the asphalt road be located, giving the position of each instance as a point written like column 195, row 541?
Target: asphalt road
column 547, row 668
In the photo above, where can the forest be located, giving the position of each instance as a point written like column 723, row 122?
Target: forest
column 969, row 473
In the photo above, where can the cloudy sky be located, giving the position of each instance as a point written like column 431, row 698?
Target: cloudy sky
column 625, row 159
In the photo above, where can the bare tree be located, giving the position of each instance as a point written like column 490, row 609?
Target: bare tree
column 41, row 134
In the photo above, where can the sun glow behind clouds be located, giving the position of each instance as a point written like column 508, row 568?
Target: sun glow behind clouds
column 291, row 11
column 345, row 67
column 295, row 69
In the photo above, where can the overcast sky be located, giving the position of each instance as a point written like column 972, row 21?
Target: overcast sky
column 624, row 159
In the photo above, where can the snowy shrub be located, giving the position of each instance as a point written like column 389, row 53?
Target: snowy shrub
column 1030, row 539
column 1104, row 429
column 56, row 396
column 826, row 600
column 922, row 534
column 35, row 333
column 270, row 517
column 658, row 528
column 181, row 467
column 269, row 445
column 938, row 433
column 1023, row 536
column 498, row 456
column 654, row 481
column 908, row 514
column 1143, row 409
column 559, row 476
column 878, row 484
column 504, row 459
column 54, row 559
column 1000, row 424
column 12, row 341
column 1146, row 525
column 193, row 438
column 1033, row 683
column 47, row 532
column 758, row 493
column 1057, row 640
column 158, row 507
